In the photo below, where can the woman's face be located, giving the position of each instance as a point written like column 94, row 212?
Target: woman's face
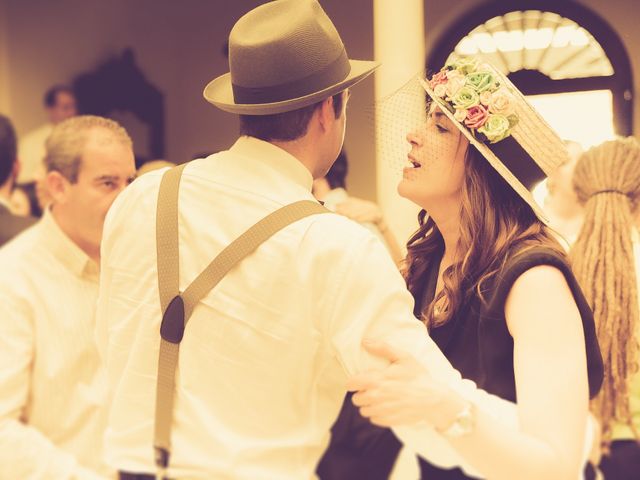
column 437, row 160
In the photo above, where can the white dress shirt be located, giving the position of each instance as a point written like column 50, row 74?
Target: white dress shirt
column 52, row 411
column 266, row 355
column 31, row 152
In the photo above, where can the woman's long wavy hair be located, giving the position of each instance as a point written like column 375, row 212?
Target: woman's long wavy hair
column 607, row 182
column 495, row 222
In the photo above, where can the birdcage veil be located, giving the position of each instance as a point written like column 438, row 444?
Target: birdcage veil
column 516, row 144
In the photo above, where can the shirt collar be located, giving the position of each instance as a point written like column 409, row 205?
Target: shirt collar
column 276, row 158
column 65, row 249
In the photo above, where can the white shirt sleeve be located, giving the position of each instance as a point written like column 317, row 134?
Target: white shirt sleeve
column 374, row 303
column 25, row 452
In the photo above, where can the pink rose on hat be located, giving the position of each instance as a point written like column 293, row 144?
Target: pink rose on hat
column 439, row 78
column 476, row 117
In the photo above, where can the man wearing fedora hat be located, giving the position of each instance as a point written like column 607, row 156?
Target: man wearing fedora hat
column 264, row 361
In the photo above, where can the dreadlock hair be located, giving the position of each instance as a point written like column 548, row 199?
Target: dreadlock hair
column 607, row 182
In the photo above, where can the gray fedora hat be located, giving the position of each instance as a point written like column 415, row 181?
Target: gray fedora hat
column 284, row 55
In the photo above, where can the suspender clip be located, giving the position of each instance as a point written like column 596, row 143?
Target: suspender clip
column 172, row 326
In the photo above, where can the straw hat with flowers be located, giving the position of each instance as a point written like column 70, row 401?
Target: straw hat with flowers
column 496, row 119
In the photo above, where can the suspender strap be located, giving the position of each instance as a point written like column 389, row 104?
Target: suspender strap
column 167, row 235
column 177, row 306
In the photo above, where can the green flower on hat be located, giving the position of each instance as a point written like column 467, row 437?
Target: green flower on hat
column 465, row 98
column 481, row 81
column 463, row 64
column 496, row 128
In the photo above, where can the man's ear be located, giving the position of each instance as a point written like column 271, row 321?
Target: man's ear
column 15, row 171
column 326, row 114
column 57, row 186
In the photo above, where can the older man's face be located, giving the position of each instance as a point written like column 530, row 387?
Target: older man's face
column 107, row 167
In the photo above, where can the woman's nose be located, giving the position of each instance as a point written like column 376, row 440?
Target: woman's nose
column 414, row 138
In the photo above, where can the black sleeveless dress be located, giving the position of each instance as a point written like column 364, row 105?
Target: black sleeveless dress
column 478, row 344
column 358, row 449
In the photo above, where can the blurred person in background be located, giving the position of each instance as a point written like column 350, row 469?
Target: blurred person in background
column 10, row 223
column 561, row 204
column 20, row 203
column 331, row 191
column 60, row 104
column 606, row 260
column 52, row 412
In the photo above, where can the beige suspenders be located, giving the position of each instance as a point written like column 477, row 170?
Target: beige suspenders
column 177, row 306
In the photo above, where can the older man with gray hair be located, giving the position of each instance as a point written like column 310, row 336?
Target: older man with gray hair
column 52, row 414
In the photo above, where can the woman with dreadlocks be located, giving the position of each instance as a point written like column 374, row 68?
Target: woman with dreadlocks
column 607, row 182
column 492, row 285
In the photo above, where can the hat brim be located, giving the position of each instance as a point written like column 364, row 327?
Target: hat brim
column 491, row 157
column 219, row 92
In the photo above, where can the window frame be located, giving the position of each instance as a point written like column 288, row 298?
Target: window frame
column 533, row 82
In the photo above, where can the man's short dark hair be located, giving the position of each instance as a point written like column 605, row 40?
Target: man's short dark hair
column 285, row 126
column 51, row 96
column 336, row 177
column 7, row 148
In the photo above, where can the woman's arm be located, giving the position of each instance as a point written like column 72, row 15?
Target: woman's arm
column 550, row 362
column 551, row 383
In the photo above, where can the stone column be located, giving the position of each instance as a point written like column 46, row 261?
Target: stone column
column 399, row 43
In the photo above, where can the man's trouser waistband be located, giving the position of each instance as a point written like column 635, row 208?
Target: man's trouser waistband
column 136, row 476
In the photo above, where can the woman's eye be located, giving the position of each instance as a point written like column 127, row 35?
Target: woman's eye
column 441, row 129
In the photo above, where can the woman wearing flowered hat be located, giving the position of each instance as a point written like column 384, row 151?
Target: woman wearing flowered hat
column 492, row 284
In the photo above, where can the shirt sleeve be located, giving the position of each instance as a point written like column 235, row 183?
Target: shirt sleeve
column 25, row 452
column 373, row 302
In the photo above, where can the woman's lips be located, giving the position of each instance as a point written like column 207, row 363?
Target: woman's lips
column 414, row 162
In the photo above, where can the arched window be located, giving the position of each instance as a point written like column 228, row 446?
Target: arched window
column 560, row 54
